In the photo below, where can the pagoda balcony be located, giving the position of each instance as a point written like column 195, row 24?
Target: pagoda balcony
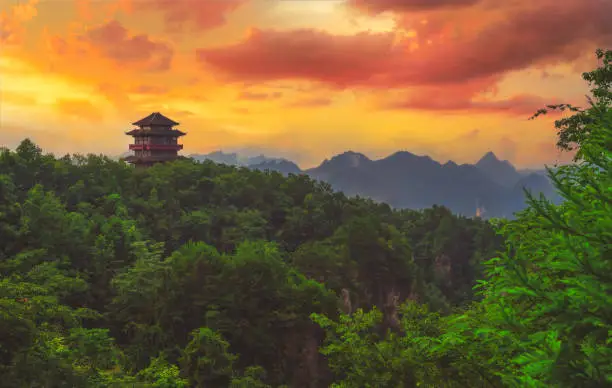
column 156, row 147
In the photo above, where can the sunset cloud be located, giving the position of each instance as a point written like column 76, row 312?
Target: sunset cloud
column 477, row 97
column 12, row 23
column 267, row 55
column 198, row 15
column 92, row 52
column 524, row 35
column 545, row 33
column 522, row 105
column 377, row 6
column 117, row 44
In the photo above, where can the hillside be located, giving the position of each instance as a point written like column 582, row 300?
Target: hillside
column 137, row 273
column 282, row 166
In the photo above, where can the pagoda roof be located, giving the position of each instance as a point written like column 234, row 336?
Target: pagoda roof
column 155, row 119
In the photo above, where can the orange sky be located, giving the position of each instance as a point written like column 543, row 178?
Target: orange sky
column 302, row 79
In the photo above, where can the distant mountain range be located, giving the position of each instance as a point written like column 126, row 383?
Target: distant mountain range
column 405, row 180
column 232, row 159
column 259, row 162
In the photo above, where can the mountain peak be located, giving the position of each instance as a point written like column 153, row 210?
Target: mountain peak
column 352, row 154
column 501, row 171
column 489, row 157
column 340, row 162
column 349, row 158
column 404, row 157
column 401, row 154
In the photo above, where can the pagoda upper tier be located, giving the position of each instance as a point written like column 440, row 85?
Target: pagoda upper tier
column 155, row 124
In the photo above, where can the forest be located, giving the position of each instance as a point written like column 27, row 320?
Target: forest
column 192, row 274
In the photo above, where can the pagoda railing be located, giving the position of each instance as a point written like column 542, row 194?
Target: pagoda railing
column 153, row 147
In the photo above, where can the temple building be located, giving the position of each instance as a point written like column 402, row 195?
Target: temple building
column 155, row 141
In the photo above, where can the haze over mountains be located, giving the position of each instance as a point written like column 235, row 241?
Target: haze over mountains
column 405, row 180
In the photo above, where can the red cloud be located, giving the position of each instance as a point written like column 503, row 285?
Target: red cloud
column 377, row 6
column 203, row 15
column 114, row 42
column 475, row 97
column 273, row 55
column 259, row 96
column 520, row 105
column 547, row 32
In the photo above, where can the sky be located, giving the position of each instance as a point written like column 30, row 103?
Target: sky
column 302, row 79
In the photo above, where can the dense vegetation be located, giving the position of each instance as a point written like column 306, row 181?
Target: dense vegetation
column 205, row 275
column 112, row 274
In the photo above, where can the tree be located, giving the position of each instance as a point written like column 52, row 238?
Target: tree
column 551, row 292
column 545, row 315
column 574, row 130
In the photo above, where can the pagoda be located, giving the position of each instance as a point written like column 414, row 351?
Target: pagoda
column 155, row 141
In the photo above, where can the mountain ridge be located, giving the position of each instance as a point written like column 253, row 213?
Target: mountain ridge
column 248, row 160
column 407, row 180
